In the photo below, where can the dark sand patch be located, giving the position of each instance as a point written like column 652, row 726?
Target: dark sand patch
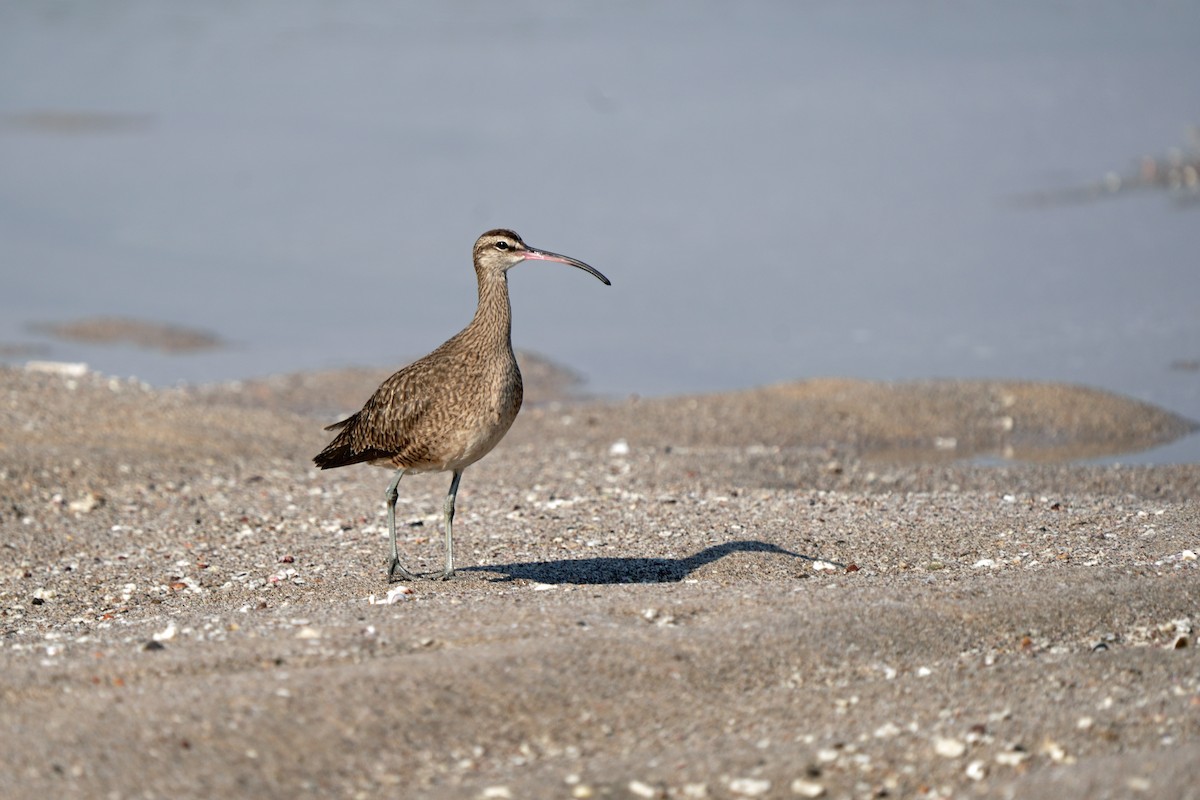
column 75, row 122
column 162, row 336
column 15, row 350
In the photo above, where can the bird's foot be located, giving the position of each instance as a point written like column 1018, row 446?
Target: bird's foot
column 395, row 569
column 444, row 575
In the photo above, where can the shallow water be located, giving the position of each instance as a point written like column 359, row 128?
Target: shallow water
column 777, row 190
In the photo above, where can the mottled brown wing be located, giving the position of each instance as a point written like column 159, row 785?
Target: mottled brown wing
column 384, row 427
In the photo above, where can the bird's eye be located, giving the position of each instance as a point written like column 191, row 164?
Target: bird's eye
column 501, row 245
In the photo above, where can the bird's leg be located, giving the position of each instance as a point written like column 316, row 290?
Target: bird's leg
column 394, row 566
column 448, row 508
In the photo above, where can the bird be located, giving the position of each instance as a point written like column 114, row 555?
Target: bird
column 447, row 410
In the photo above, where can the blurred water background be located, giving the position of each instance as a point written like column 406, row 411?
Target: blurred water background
column 778, row 190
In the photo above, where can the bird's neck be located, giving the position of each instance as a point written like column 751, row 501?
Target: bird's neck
column 493, row 317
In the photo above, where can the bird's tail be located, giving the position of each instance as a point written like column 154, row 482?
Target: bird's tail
column 335, row 455
column 339, row 452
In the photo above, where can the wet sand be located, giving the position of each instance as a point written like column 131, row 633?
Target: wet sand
column 798, row 591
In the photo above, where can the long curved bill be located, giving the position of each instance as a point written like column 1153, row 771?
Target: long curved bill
column 544, row 255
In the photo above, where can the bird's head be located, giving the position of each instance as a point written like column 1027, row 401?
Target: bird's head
column 499, row 250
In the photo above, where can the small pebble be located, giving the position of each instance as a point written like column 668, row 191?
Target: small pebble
column 395, row 594
column 976, row 770
column 887, row 730
column 750, row 787
column 87, row 503
column 642, row 789
column 949, row 748
column 1056, row 752
column 497, row 793
column 806, row 788
column 1138, row 784
column 166, row 634
column 1012, row 758
column 827, row 754
column 619, row 448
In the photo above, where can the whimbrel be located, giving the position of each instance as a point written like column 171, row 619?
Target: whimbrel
column 444, row 412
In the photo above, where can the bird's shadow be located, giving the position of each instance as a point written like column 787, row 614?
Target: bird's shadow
column 629, row 570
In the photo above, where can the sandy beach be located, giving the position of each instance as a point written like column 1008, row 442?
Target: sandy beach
column 829, row 588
